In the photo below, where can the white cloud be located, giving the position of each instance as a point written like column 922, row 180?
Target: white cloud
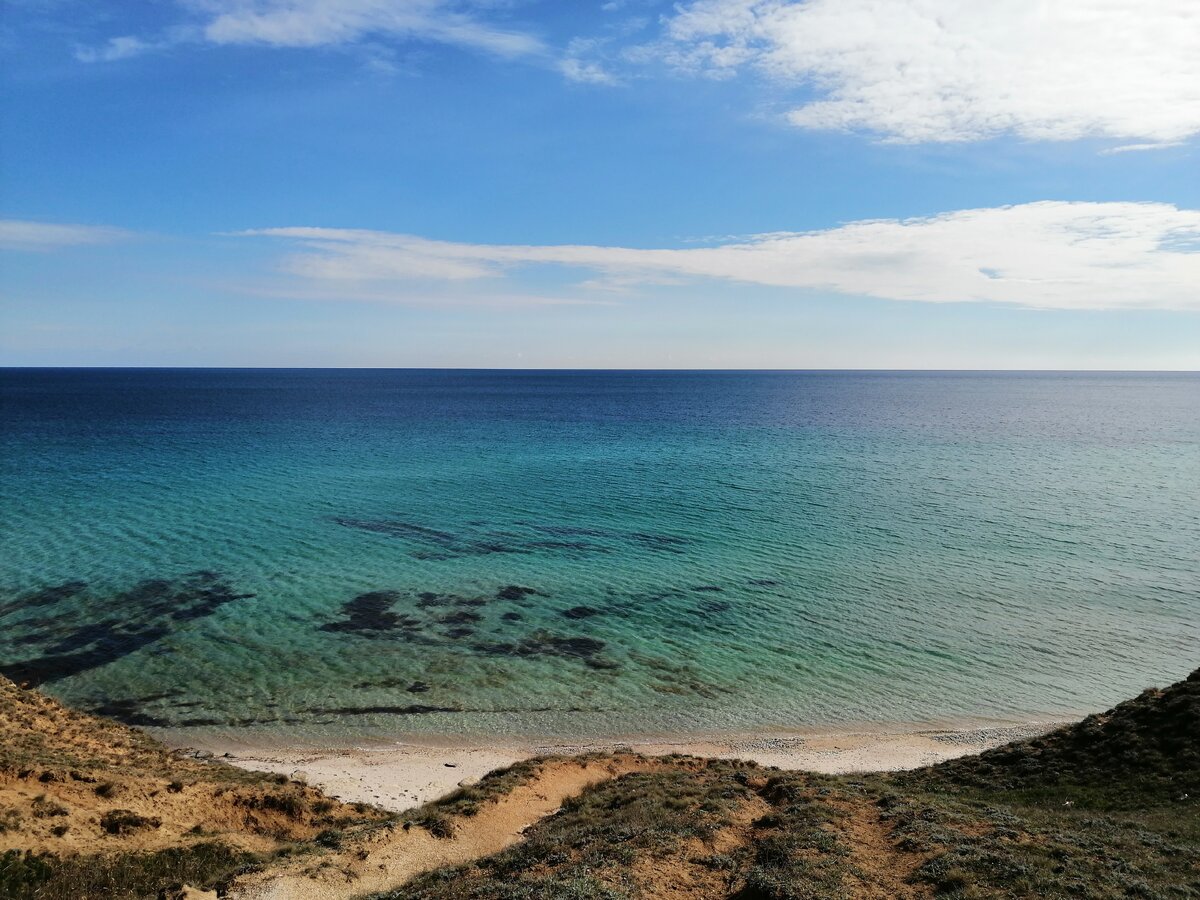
column 316, row 23
column 581, row 63
column 957, row 70
column 311, row 23
column 1138, row 148
column 19, row 234
column 354, row 255
column 575, row 69
column 1051, row 254
column 116, row 48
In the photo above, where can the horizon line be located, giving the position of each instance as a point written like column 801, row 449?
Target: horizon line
column 596, row 369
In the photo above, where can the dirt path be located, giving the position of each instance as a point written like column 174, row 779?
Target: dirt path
column 881, row 868
column 389, row 856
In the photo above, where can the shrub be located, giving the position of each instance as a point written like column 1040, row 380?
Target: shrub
column 331, row 838
column 123, row 876
column 124, row 821
column 45, row 809
column 10, row 820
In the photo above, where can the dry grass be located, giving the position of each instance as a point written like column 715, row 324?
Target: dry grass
column 1106, row 809
column 88, row 805
column 1101, row 810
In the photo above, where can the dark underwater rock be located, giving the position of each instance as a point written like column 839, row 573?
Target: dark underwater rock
column 116, row 625
column 513, row 592
column 462, row 617
column 47, row 596
column 413, row 709
column 368, row 614
column 542, row 643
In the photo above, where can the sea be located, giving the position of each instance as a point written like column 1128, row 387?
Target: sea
column 351, row 554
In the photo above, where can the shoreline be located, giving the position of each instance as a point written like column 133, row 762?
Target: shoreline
column 398, row 775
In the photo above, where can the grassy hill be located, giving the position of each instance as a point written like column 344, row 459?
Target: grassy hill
column 92, row 808
column 1106, row 808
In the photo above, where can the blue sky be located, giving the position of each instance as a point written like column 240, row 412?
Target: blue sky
column 716, row 183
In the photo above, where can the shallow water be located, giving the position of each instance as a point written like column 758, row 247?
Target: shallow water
column 336, row 553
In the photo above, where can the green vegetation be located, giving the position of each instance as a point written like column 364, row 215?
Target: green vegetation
column 1143, row 751
column 44, row 808
column 586, row 849
column 437, row 816
column 44, row 740
column 797, row 851
column 1029, row 851
column 123, row 821
column 467, row 801
column 123, row 876
column 10, row 819
column 1108, row 808
column 63, row 773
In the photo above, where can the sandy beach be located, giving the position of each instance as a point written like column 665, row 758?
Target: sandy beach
column 403, row 775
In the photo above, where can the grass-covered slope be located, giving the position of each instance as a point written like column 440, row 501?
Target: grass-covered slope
column 1106, row 808
column 1146, row 750
column 92, row 808
column 688, row 828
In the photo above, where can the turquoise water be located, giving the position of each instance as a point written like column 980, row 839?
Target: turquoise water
column 331, row 554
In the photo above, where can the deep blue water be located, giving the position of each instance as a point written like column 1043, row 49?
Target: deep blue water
column 339, row 552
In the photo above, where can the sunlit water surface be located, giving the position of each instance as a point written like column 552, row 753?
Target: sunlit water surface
column 332, row 554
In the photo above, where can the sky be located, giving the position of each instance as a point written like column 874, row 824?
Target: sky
column 625, row 184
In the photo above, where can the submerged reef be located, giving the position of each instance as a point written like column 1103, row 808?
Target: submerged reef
column 436, row 544
column 69, row 628
column 374, row 615
column 75, row 638
column 543, row 643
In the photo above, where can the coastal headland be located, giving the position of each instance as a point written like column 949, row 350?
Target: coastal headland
column 1102, row 808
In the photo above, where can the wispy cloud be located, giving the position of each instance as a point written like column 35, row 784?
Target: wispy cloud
column 1051, row 254
column 312, row 23
column 1139, row 148
column 20, row 234
column 318, row 23
column 116, row 48
column 390, row 295
column 580, row 62
column 948, row 70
